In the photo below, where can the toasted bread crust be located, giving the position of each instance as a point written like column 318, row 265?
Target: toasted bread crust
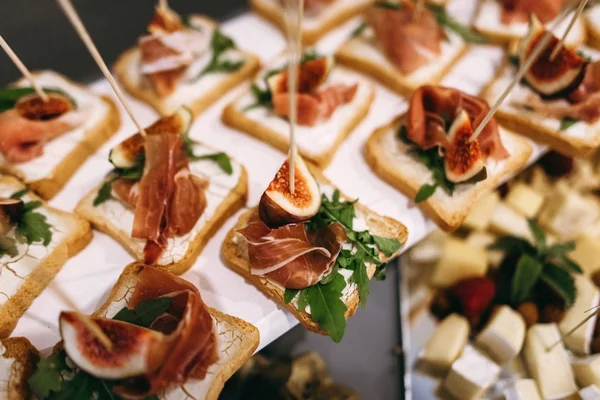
column 247, row 332
column 25, row 358
column 435, row 210
column 379, row 225
column 199, row 105
column 36, row 282
column 230, row 205
column 236, row 118
column 309, row 36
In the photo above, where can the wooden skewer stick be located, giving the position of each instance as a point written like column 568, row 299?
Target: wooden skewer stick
column 419, row 8
column 87, row 40
column 541, row 45
column 586, row 319
column 560, row 43
column 294, row 12
column 26, row 73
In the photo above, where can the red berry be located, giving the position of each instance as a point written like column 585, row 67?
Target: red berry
column 474, row 295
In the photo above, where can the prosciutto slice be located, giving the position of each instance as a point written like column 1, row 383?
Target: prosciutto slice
column 169, row 200
column 408, row 43
column 314, row 7
column 168, row 50
column 316, row 107
column 291, row 255
column 432, row 106
column 521, row 10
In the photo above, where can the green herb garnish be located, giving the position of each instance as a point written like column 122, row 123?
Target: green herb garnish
column 33, row 227
column 20, row 193
column 219, row 44
column 222, row 159
column 537, row 263
column 49, row 381
column 567, row 122
column 445, row 20
column 133, row 173
column 359, row 29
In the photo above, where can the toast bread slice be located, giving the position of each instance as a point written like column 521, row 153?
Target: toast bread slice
column 116, row 219
column 317, row 143
column 25, row 276
column 583, row 140
column 393, row 163
column 314, row 27
column 235, row 257
column 361, row 53
column 48, row 174
column 18, row 359
column 198, row 99
column 488, row 22
column 237, row 340
column 592, row 19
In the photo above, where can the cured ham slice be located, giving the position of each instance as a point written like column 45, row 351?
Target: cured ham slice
column 408, row 43
column 314, row 7
column 168, row 50
column 291, row 255
column 179, row 345
column 521, row 10
column 431, row 107
column 25, row 129
column 316, row 107
column 170, row 199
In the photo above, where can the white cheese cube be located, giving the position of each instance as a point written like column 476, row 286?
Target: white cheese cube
column 471, row 375
column 507, row 222
column 587, row 370
column 550, row 369
column 480, row 215
column 587, row 253
column 503, row 336
column 523, row 389
column 588, row 296
column 429, row 249
column 458, row 261
column 591, row 392
column 524, row 200
column 483, row 240
column 568, row 214
column 447, row 342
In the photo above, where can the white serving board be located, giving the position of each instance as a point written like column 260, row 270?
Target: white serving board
column 89, row 277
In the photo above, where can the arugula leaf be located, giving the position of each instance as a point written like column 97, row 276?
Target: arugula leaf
column 425, row 192
column 145, row 312
column 47, row 378
column 444, row 19
column 33, row 226
column 8, row 246
column 327, row 308
column 359, row 29
column 302, row 300
column 567, row 122
column 360, row 277
column 219, row 44
column 289, row 295
column 388, row 246
column 514, row 60
column 104, row 193
column 561, row 282
column 526, row 275
column 220, row 158
column 20, row 193
column 10, row 96
column 389, row 5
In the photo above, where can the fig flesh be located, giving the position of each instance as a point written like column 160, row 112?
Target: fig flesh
column 126, row 154
column 279, row 207
column 463, row 159
column 135, row 350
column 551, row 79
column 34, row 108
column 10, row 210
column 311, row 74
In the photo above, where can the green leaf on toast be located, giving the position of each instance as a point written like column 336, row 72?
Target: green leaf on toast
column 20, row 193
column 425, row 192
column 289, row 295
column 327, row 307
column 47, row 378
column 388, row 246
column 104, row 194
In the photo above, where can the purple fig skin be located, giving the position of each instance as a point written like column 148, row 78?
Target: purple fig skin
column 273, row 215
column 556, row 165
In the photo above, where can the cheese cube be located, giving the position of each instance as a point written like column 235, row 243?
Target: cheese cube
column 447, row 342
column 591, row 392
column 587, row 253
column 587, row 370
column 588, row 296
column 458, row 261
column 568, row 214
column 471, row 375
column 484, row 240
column 507, row 222
column 429, row 249
column 503, row 336
column 550, row 369
column 524, row 200
column 480, row 215
column 523, row 389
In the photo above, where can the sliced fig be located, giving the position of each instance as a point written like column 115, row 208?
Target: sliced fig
column 135, row 350
column 463, row 159
column 279, row 207
column 10, row 210
column 126, row 153
column 311, row 74
column 551, row 79
column 34, row 108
